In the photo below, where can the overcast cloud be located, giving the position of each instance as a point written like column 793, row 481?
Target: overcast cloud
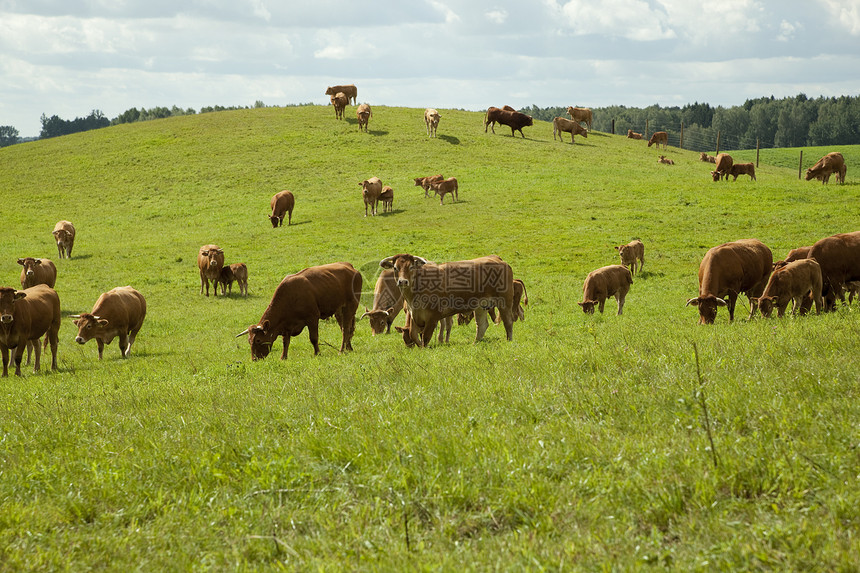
column 68, row 57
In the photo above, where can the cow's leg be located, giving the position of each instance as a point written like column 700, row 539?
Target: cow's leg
column 5, row 352
column 53, row 336
column 427, row 333
column 348, row 330
column 600, row 305
column 19, row 356
column 619, row 297
column 730, row 303
column 481, row 323
column 124, row 347
column 314, row 335
column 286, row 338
column 37, row 351
column 507, row 318
column 101, row 345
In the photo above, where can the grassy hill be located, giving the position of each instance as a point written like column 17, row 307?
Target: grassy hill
column 581, row 445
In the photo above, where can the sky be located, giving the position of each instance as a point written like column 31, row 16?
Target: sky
column 70, row 57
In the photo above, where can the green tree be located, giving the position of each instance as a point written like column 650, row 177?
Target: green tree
column 8, row 135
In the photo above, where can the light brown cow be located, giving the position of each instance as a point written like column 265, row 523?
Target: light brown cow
column 580, row 114
column 600, row 284
column 210, row 260
column 728, row 270
column 521, row 298
column 445, row 187
column 26, row 315
column 339, row 101
column 431, row 120
column 723, row 166
column 633, row 135
column 839, row 257
column 561, row 124
column 370, row 191
column 387, row 303
column 742, row 169
column 792, row 283
column 707, row 158
column 433, row 292
column 117, row 312
column 659, row 138
column 665, row 160
column 235, row 272
column 424, row 183
column 282, row 203
column 37, row 272
column 630, row 253
column 349, row 90
column 64, row 234
column 363, row 113
column 300, row 301
column 831, row 163
column 387, row 198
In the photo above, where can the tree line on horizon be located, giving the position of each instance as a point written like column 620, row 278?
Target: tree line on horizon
column 766, row 122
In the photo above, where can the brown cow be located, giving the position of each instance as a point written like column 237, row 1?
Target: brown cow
column 633, row 135
column 118, row 312
column 580, row 114
column 387, row 303
column 521, row 298
column 387, row 198
column 741, row 169
column 630, row 253
column 445, row 325
column 826, row 166
column 37, row 272
column 349, row 90
column 339, row 101
column 723, row 166
column 793, row 255
column 561, row 124
column 235, row 272
column 707, row 158
column 301, row 300
column 363, row 113
column 728, row 270
column 792, row 283
column 513, row 119
column 839, row 257
column 424, row 182
column 282, row 203
column 444, row 187
column 431, row 120
column 64, row 234
column 600, row 284
column 659, row 138
column 665, row 160
column 370, row 191
column 433, row 292
column 210, row 259
column 25, row 315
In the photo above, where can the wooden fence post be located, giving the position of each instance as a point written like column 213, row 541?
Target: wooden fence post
column 681, row 144
column 719, row 133
column 646, row 129
column 757, row 149
column 800, row 165
column 613, row 127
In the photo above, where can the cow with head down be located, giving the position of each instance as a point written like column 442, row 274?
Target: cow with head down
column 793, row 283
column 722, row 166
column 507, row 116
column 37, row 272
column 117, row 313
column 387, row 303
column 831, row 163
column 26, row 315
column 602, row 283
column 282, row 204
column 659, row 138
column 210, row 260
column 561, row 125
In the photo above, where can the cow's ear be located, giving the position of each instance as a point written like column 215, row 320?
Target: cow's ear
column 387, row 263
column 204, row 253
column 617, row 248
column 419, row 262
column 692, row 301
column 19, row 294
column 265, row 325
column 20, row 261
column 720, row 302
column 388, row 311
column 102, row 322
column 37, row 261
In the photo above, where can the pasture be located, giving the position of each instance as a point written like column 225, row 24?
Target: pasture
column 588, row 443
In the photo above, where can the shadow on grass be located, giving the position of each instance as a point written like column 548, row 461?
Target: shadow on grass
column 645, row 275
column 449, row 139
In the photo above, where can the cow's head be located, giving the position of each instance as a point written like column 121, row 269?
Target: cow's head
column 715, row 175
column 766, row 304
column 587, row 306
column 89, row 326
column 378, row 319
column 404, row 266
column 275, row 220
column 261, row 338
column 8, row 296
column 212, row 256
column 29, row 264
column 707, row 307
column 811, row 174
column 62, row 236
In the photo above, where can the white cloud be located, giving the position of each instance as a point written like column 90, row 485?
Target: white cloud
column 846, row 13
column 787, row 31
column 497, row 16
column 631, row 19
column 260, row 10
column 451, row 17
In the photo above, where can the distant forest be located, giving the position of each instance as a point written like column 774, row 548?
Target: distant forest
column 767, row 122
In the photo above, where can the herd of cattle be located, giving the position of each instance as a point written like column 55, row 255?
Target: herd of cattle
column 430, row 294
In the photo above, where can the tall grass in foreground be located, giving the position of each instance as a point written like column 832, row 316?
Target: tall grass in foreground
column 579, row 446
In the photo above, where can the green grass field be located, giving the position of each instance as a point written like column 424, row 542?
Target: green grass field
column 581, row 445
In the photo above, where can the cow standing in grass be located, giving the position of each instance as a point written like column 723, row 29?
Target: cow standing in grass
column 26, row 315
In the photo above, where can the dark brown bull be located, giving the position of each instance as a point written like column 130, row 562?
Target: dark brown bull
column 118, row 312
column 281, row 204
column 210, row 260
column 26, row 315
column 513, row 119
column 37, row 272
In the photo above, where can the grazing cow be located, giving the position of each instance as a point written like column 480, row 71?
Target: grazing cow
column 665, row 160
column 561, row 124
column 282, row 203
column 508, row 116
column 235, row 272
column 707, row 158
column 431, row 120
column 370, row 191
column 580, row 114
column 424, row 182
column 792, row 283
column 445, row 325
column 25, row 315
column 630, row 253
column 210, row 260
column 723, row 166
column 349, row 90
column 387, row 303
column 826, row 166
column 64, row 234
column 387, row 198
column 37, row 272
column 659, row 138
column 633, row 135
column 742, row 169
column 339, row 101
column 602, row 283
column 117, row 312
column 444, row 187
column 728, row 270
column 363, row 114
column 839, row 257
column 300, row 301
column 433, row 292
